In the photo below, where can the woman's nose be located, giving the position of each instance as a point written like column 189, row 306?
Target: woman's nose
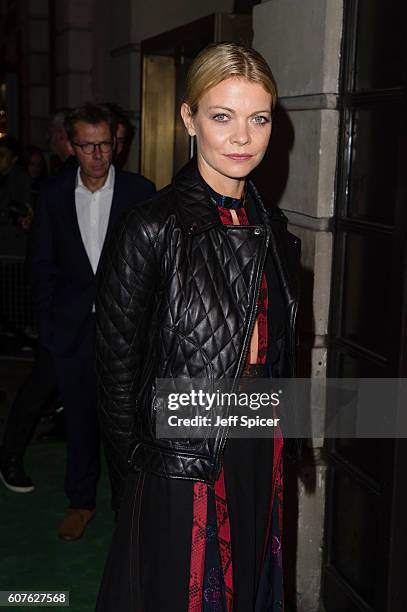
column 241, row 134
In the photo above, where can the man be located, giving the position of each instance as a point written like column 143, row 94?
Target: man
column 77, row 212
column 124, row 134
column 61, row 153
column 41, row 386
column 15, row 217
column 14, row 199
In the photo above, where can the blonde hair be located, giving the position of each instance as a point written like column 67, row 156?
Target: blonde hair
column 220, row 61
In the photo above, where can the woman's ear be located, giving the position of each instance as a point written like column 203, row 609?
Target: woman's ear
column 187, row 118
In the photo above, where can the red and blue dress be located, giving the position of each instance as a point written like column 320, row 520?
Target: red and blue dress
column 218, row 566
column 183, row 546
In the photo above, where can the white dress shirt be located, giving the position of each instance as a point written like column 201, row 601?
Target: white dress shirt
column 93, row 210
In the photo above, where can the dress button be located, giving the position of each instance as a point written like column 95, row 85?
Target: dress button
column 257, row 231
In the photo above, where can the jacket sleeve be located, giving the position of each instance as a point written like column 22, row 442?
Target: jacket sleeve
column 126, row 290
column 43, row 267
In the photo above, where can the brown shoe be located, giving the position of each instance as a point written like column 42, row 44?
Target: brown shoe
column 74, row 523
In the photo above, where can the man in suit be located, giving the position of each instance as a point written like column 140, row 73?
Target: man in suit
column 77, row 212
column 41, row 386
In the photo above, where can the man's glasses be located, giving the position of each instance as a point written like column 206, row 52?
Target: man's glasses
column 90, row 147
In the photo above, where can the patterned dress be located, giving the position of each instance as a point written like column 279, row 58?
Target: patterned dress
column 183, row 546
column 212, row 559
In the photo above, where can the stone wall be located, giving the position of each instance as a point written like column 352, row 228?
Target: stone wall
column 301, row 41
column 24, row 49
column 73, row 47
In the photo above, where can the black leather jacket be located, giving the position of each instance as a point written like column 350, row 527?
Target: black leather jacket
column 160, row 315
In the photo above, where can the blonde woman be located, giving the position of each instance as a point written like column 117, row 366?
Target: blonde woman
column 200, row 281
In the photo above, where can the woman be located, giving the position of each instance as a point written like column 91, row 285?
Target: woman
column 200, row 282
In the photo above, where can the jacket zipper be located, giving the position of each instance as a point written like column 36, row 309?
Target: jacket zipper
column 253, row 314
column 250, row 327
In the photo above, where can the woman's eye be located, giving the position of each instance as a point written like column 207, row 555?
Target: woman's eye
column 260, row 119
column 221, row 117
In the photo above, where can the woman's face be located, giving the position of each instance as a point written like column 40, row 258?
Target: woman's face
column 232, row 128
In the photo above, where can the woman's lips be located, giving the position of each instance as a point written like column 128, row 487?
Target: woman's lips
column 239, row 156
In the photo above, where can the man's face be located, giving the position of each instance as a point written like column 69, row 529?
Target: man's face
column 7, row 160
column 58, row 142
column 120, row 138
column 94, row 165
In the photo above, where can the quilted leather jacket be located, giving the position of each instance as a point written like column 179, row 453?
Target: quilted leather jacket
column 177, row 298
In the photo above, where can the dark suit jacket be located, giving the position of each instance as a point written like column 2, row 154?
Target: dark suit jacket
column 62, row 279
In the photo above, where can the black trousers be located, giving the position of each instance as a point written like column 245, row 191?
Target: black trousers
column 77, row 382
column 39, row 388
column 74, row 376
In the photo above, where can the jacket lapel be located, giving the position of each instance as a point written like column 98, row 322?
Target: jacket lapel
column 280, row 246
column 197, row 212
column 115, row 208
column 119, row 202
column 69, row 205
column 70, row 208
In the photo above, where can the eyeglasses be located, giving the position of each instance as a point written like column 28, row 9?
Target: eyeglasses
column 90, row 147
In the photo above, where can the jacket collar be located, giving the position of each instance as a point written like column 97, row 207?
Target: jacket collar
column 108, row 185
column 198, row 212
column 69, row 183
